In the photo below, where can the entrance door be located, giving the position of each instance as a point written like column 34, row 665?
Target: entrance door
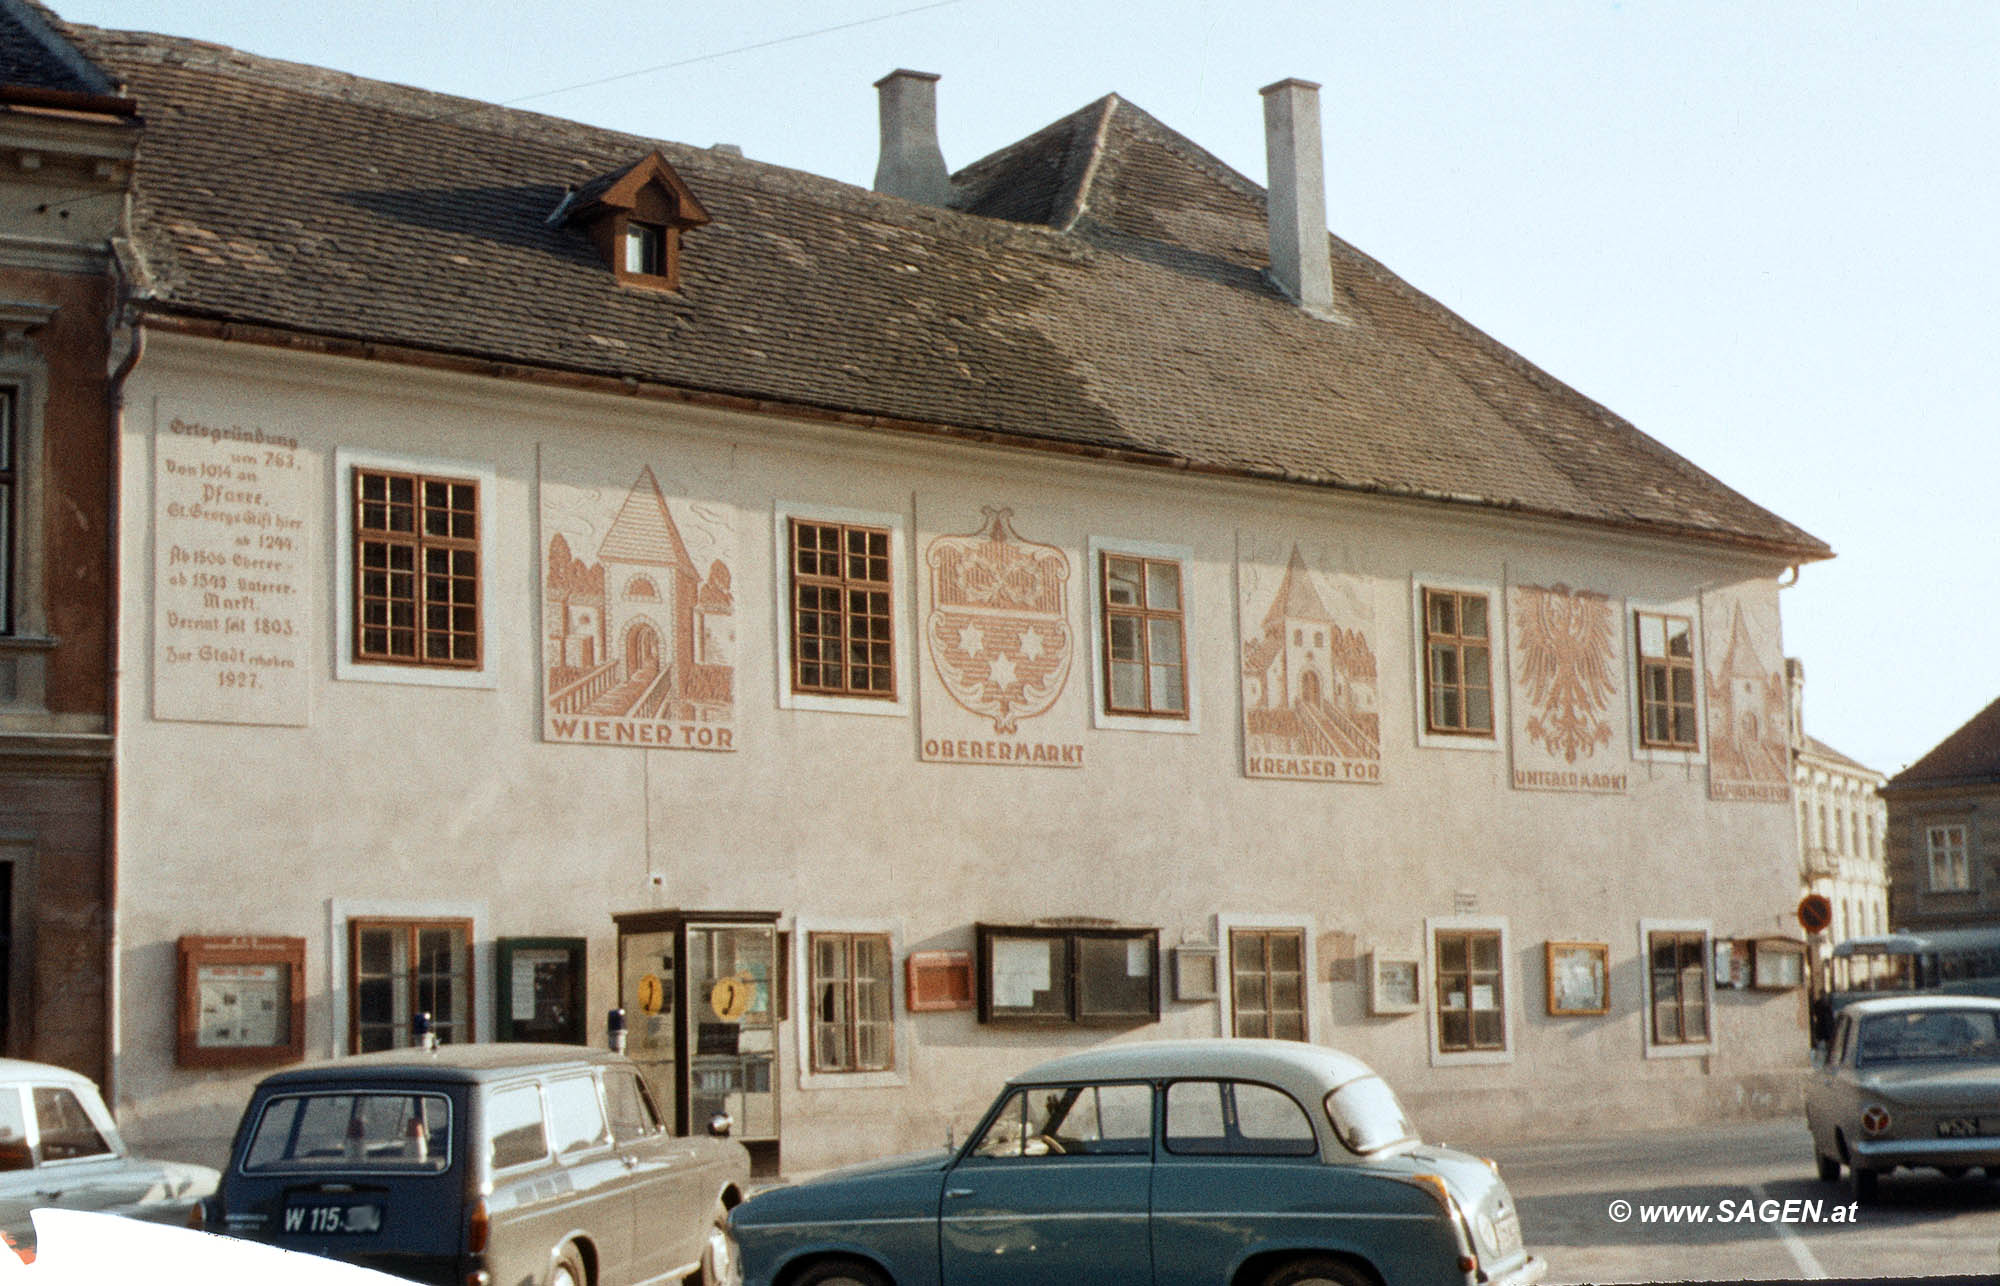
column 649, row 992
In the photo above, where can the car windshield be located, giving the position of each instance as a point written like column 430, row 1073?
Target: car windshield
column 1367, row 1117
column 352, row 1131
column 1917, row 1035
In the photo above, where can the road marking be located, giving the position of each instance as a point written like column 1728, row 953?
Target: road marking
column 1795, row 1245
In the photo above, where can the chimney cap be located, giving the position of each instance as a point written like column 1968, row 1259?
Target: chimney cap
column 904, row 73
column 1290, row 82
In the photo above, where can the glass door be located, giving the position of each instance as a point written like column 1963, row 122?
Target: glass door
column 648, row 989
column 731, row 1004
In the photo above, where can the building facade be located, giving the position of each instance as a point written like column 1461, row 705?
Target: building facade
column 1944, row 855
column 877, row 639
column 1842, row 825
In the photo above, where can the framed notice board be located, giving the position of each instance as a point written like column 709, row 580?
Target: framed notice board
column 540, row 994
column 242, row 1001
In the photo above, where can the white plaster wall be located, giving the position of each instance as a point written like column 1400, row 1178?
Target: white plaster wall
column 402, row 793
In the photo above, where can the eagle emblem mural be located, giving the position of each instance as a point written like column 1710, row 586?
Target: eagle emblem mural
column 1566, row 649
column 998, row 629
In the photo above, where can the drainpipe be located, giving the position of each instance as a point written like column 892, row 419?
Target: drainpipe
column 114, row 464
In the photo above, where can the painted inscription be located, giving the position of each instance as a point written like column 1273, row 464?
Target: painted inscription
column 1000, row 643
column 1309, row 682
column 638, row 618
column 230, row 611
column 1567, row 710
column 1748, row 721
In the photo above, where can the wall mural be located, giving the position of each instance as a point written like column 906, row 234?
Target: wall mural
column 1748, row 720
column 1001, row 646
column 1310, row 709
column 638, row 615
column 1568, row 707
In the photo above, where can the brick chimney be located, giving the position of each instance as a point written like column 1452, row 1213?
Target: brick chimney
column 912, row 165
column 1297, row 194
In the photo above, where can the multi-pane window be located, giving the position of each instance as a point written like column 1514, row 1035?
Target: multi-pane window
column 842, row 630
column 1678, row 963
column 401, row 968
column 416, row 555
column 1951, row 872
column 1666, row 681
column 1145, row 666
column 1458, row 663
column 853, row 1002
column 1267, row 970
column 1471, row 1013
column 10, row 499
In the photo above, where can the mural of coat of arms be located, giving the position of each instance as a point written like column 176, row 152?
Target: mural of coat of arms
column 998, row 628
column 1565, row 640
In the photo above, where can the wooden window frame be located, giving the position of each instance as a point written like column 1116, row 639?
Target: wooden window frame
column 1071, row 984
column 421, row 542
column 667, row 275
column 1705, row 958
column 410, row 926
column 1442, row 979
column 844, row 586
column 1145, row 615
column 1956, row 852
column 1267, row 932
column 850, row 1027
column 1436, row 641
column 1665, row 667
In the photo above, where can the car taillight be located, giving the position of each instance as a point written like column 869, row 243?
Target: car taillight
column 198, row 1215
column 1875, row 1119
column 478, row 1227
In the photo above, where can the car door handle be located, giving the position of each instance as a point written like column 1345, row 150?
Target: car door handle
column 957, row 1192
column 49, row 1194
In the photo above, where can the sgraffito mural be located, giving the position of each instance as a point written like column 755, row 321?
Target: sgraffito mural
column 1567, row 699
column 638, row 613
column 1310, row 709
column 1000, row 646
column 1748, row 720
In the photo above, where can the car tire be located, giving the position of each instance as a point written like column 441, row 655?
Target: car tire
column 719, row 1265
column 1866, row 1184
column 840, row 1272
column 568, row 1269
column 1829, row 1168
column 1318, row 1270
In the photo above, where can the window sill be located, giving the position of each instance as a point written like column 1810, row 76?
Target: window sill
column 889, row 1080
column 1704, row 1050
column 1472, row 1058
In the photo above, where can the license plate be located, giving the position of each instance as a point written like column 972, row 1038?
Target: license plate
column 322, row 1220
column 1958, row 1127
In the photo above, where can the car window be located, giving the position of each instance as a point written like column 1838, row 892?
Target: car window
column 352, row 1131
column 66, row 1129
column 1071, row 1120
column 1236, row 1118
column 1367, row 1115
column 14, row 1153
column 576, row 1115
column 514, row 1126
column 632, row 1114
column 1922, row 1035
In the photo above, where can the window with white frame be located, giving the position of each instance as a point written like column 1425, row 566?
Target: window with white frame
column 1470, row 992
column 843, row 634
column 1677, row 971
column 1267, row 972
column 1951, row 871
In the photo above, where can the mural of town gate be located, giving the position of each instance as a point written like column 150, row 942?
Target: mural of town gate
column 1748, row 721
column 1310, row 709
column 1569, row 721
column 638, row 611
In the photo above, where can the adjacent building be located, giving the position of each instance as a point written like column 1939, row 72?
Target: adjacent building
column 878, row 638
column 1842, row 824
column 1944, row 852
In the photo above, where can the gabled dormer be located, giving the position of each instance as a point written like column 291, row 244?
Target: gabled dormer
column 635, row 218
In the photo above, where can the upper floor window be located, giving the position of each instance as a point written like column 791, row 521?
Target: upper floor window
column 645, row 249
column 1666, row 681
column 1951, row 871
column 416, row 569
column 1458, row 663
column 843, row 628
column 1145, row 665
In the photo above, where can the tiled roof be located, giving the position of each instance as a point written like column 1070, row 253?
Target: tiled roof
column 1102, row 290
column 36, row 53
column 1970, row 756
column 1814, row 746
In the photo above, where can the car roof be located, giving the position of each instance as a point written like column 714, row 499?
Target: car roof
column 20, row 1069
column 1900, row 1004
column 461, row 1064
column 1307, row 1070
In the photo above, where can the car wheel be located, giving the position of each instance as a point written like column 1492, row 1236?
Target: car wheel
column 568, row 1270
column 1318, row 1270
column 1829, row 1169
column 1865, row 1184
column 841, row 1272
column 719, row 1266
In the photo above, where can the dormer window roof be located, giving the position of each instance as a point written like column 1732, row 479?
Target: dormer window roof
column 635, row 217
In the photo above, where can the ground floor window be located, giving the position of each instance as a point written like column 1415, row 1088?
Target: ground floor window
column 1471, row 1000
column 1679, row 969
column 854, row 1020
column 401, row 968
column 1267, row 982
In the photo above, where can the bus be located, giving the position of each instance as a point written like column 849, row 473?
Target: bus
column 1963, row 962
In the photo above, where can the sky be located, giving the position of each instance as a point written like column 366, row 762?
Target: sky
column 1767, row 234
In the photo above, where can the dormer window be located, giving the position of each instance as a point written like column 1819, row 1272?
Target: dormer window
column 636, row 217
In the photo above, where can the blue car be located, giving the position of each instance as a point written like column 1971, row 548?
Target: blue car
column 1190, row 1163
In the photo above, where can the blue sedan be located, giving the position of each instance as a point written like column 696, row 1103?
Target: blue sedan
column 1193, row 1163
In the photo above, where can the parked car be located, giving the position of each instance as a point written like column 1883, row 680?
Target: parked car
column 59, row 1148
column 1907, row 1081
column 479, row 1164
column 1266, row 1163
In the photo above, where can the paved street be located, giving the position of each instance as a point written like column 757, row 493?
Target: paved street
column 1922, row 1226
